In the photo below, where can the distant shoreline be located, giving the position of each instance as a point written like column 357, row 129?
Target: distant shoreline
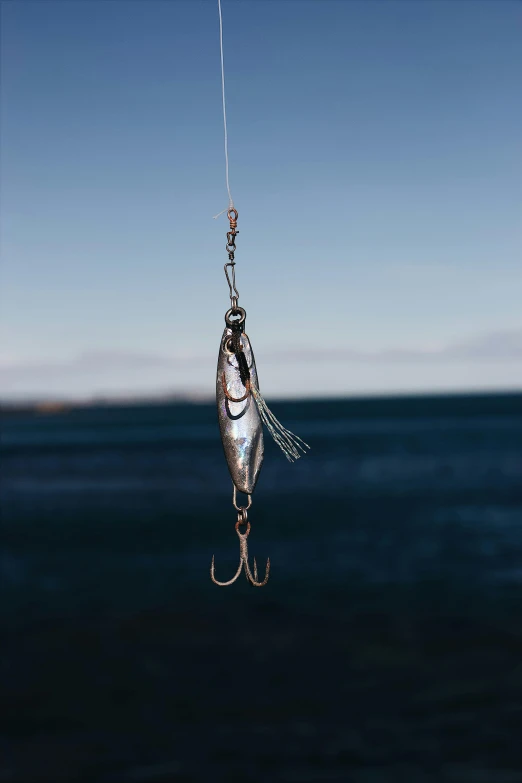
column 58, row 406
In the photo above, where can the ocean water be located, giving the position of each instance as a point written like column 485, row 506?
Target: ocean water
column 387, row 645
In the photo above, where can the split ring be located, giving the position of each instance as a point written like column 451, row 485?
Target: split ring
column 242, row 516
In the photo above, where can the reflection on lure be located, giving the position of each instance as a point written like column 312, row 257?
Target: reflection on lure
column 229, row 396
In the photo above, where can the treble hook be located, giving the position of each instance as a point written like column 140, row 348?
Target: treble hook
column 243, row 557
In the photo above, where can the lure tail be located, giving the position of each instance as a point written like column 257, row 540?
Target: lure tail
column 291, row 445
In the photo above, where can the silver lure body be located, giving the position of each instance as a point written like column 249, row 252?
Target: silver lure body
column 239, row 422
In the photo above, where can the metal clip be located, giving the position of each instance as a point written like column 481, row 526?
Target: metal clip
column 231, row 249
column 231, row 280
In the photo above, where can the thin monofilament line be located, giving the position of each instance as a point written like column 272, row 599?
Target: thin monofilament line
column 230, row 199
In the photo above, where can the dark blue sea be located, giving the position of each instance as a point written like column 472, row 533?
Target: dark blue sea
column 386, row 647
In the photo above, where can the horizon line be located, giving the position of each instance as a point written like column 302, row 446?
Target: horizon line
column 55, row 403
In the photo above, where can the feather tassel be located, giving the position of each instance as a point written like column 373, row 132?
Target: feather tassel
column 291, row 445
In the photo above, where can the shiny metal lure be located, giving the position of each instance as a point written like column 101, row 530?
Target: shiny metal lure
column 239, row 420
column 242, row 411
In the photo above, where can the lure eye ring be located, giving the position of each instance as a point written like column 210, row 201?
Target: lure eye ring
column 235, row 311
column 238, row 525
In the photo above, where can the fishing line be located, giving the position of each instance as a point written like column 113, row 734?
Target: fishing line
column 230, row 199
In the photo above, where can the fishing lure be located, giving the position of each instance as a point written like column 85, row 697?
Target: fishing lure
column 242, row 410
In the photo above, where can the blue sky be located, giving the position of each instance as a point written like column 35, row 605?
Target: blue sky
column 375, row 161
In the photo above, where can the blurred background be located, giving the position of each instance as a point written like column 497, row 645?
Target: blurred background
column 375, row 162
